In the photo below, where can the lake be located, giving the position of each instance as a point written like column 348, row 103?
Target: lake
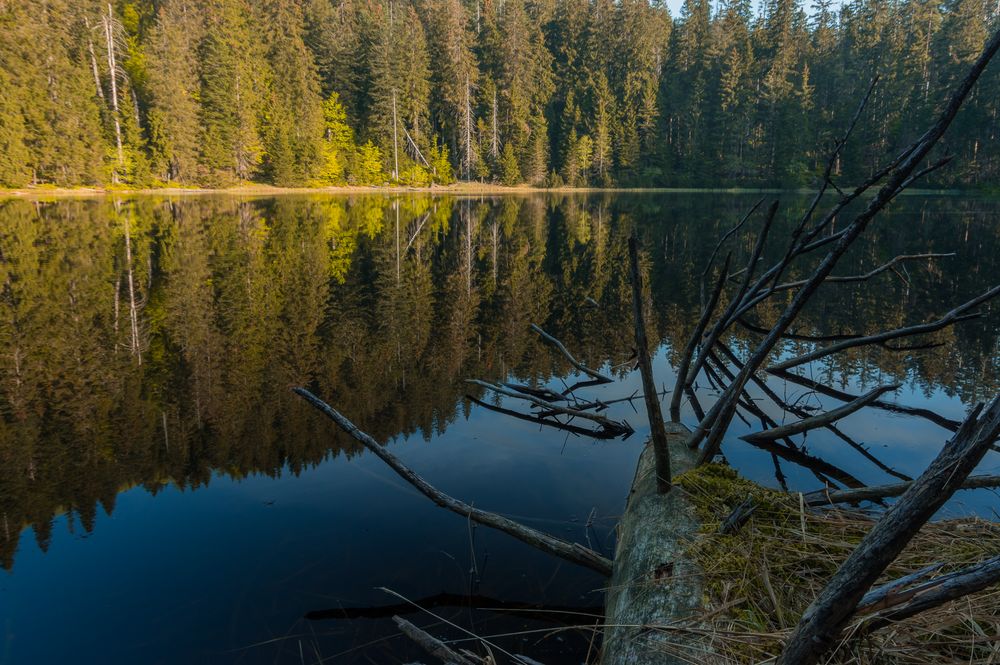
column 165, row 498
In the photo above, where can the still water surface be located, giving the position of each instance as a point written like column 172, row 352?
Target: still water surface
column 166, row 499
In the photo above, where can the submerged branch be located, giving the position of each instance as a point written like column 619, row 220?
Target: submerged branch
column 570, row 551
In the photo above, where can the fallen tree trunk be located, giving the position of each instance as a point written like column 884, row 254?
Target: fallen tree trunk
column 570, row 551
column 655, row 581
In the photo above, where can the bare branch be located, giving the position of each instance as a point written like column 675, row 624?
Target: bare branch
column 569, row 356
column 826, row 497
column 570, row 551
column 935, row 418
column 821, row 420
column 692, row 344
column 956, row 315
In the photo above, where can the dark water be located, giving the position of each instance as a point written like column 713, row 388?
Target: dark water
column 166, row 499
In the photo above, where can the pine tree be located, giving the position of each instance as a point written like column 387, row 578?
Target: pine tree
column 234, row 77
column 174, row 83
column 293, row 129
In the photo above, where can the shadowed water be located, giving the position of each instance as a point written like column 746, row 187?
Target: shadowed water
column 165, row 498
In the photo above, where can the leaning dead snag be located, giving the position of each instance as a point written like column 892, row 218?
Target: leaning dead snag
column 820, row 420
column 822, row 623
column 570, row 551
column 657, row 432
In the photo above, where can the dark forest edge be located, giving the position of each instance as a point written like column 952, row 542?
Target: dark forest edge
column 303, row 93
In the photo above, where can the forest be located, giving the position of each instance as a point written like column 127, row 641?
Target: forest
column 214, row 93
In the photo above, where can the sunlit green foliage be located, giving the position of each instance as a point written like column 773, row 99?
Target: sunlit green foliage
column 579, row 92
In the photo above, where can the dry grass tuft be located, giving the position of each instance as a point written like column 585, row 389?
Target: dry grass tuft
column 760, row 580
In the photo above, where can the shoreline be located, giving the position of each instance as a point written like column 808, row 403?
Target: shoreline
column 460, row 189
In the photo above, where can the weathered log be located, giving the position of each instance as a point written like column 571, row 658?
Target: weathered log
column 657, row 431
column 570, row 551
column 937, row 419
column 603, row 378
column 829, row 497
column 432, row 645
column 881, row 597
column 822, row 623
column 956, row 315
column 822, row 419
column 939, row 591
column 656, row 581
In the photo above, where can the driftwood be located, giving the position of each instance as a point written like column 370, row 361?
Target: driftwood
column 821, row 420
column 822, row 623
column 433, row 645
column 888, row 594
column 937, row 419
column 939, row 591
column 657, row 431
column 603, row 378
column 956, row 315
column 609, row 426
column 827, row 497
column 570, row 551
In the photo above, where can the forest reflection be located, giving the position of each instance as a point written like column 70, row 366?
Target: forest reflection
column 152, row 340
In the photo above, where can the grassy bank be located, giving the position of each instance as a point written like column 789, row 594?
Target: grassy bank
column 759, row 580
column 457, row 189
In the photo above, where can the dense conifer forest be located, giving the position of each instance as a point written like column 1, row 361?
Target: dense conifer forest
column 547, row 92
